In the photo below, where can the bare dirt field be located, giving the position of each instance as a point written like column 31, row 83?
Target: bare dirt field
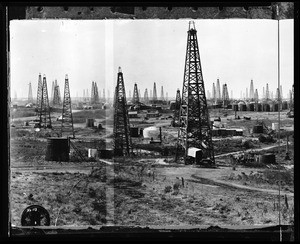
column 150, row 189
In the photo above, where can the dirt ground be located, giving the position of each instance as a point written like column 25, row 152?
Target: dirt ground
column 150, row 189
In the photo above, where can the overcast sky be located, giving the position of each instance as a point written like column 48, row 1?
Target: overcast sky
column 235, row 51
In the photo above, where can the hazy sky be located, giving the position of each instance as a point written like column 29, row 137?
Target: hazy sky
column 235, row 51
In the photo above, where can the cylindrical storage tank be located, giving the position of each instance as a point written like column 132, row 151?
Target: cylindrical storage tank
column 275, row 126
column 235, row 107
column 242, row 106
column 134, row 132
column 266, row 107
column 251, row 106
column 57, row 149
column 258, row 129
column 89, row 123
column 92, row 153
column 268, row 158
column 284, row 105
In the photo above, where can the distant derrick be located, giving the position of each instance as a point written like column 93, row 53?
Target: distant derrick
column 43, row 106
column 122, row 141
column 39, row 92
column 135, row 98
column 56, row 96
column 94, row 93
column 195, row 130
column 162, row 94
column 251, row 91
column 177, row 109
column 225, row 96
column 218, row 91
column 267, row 92
column 214, row 93
column 146, row 97
column 154, row 98
column 67, row 117
column 30, row 97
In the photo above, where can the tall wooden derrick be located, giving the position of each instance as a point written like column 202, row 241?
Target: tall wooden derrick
column 56, row 96
column 93, row 93
column 39, row 93
column 195, row 126
column 121, row 131
column 146, row 97
column 30, row 97
column 154, row 98
column 67, row 117
column 136, row 97
column 44, row 109
column 162, row 97
column 176, row 110
column 225, row 96
column 256, row 100
column 251, row 91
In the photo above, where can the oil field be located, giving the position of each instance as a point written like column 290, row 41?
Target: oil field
column 197, row 157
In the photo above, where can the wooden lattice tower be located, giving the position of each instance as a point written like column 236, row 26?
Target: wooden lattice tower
column 225, row 96
column 267, row 92
column 162, row 97
column 93, row 93
column 56, row 96
column 214, row 93
column 177, row 108
column 218, row 91
column 195, row 126
column 44, row 111
column 30, row 97
column 251, row 91
column 122, row 141
column 154, row 98
column 39, row 93
column 135, row 98
column 146, row 97
column 67, row 127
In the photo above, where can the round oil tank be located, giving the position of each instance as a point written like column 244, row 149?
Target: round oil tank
column 284, row 105
column 235, row 107
column 89, row 123
column 251, row 106
column 266, row 107
column 268, row 158
column 57, row 149
column 258, row 107
column 258, row 129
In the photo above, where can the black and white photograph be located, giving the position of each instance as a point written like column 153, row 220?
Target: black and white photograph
column 159, row 123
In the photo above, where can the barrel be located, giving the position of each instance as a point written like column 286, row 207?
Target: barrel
column 258, row 129
column 92, row 153
column 268, row 158
column 57, row 149
column 89, row 123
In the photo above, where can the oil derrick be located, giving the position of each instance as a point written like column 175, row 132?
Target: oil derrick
column 154, row 98
column 256, row 100
column 121, row 131
column 44, row 109
column 135, row 98
column 194, row 119
column 247, row 93
column 56, row 96
column 251, row 96
column 177, row 108
column 87, row 95
column 225, row 97
column 93, row 93
column 218, row 91
column 96, row 93
column 67, row 118
column 162, row 93
column 146, row 98
column 39, row 93
column 30, row 97
column 167, row 96
column 52, row 91
column 267, row 92
column 151, row 95
column 214, row 93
